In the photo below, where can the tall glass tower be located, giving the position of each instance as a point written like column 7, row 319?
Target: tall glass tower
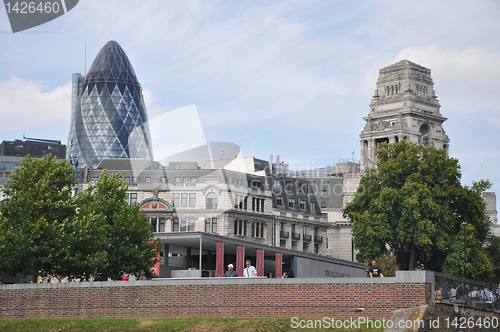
column 108, row 115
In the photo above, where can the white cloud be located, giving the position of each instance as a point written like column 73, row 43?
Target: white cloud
column 476, row 67
column 149, row 98
column 466, row 81
column 27, row 104
column 287, row 77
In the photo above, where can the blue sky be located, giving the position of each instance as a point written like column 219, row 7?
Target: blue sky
column 293, row 78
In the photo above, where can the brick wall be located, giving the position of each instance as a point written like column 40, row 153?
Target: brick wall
column 216, row 297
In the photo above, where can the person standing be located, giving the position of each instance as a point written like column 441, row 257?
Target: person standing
column 374, row 270
column 453, row 292
column 486, row 294
column 250, row 270
column 461, row 291
column 230, row 272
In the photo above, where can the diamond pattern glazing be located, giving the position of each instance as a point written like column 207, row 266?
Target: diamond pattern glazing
column 109, row 119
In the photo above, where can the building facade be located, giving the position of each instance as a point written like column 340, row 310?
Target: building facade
column 108, row 118
column 255, row 206
column 35, row 147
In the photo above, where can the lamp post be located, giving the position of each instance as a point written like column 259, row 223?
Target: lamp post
column 464, row 224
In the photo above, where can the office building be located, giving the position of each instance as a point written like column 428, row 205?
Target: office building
column 35, row 147
column 108, row 117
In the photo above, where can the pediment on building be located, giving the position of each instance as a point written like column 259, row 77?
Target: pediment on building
column 211, row 189
column 156, row 204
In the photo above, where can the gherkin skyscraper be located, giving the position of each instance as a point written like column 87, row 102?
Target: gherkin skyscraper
column 108, row 115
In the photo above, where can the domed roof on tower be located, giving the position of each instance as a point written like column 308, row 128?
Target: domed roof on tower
column 112, row 63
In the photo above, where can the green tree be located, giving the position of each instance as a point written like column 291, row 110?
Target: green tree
column 35, row 211
column 120, row 239
column 413, row 206
column 45, row 229
column 388, row 265
column 493, row 251
column 468, row 258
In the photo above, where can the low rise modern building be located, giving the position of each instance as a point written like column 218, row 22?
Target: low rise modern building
column 11, row 153
column 34, row 147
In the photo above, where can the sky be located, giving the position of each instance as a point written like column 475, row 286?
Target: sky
column 289, row 78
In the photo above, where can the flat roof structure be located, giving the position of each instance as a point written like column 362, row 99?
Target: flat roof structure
column 181, row 258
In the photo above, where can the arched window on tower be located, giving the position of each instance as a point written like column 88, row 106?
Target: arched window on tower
column 212, row 201
column 424, row 132
column 424, row 129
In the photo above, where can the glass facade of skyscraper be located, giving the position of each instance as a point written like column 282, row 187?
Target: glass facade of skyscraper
column 108, row 118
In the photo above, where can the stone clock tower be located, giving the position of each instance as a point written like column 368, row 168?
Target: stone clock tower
column 404, row 106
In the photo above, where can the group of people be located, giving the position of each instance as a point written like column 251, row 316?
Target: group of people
column 250, row 271
column 484, row 295
column 465, row 292
column 373, row 272
column 57, row 279
column 127, row 276
column 52, row 278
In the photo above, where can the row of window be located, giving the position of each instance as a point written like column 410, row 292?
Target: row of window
column 295, row 229
column 189, row 200
column 191, row 181
column 181, row 225
column 241, row 202
column 305, row 246
column 179, row 180
column 421, row 89
column 304, row 188
column 250, row 183
column 291, row 201
column 392, row 90
column 284, row 234
column 249, row 228
column 183, row 200
column 183, row 180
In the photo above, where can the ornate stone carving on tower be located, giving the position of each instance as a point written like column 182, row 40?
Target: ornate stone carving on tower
column 404, row 106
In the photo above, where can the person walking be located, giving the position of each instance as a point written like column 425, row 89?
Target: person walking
column 250, row 270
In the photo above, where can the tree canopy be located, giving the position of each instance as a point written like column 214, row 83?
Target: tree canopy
column 414, row 207
column 120, row 239
column 46, row 229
